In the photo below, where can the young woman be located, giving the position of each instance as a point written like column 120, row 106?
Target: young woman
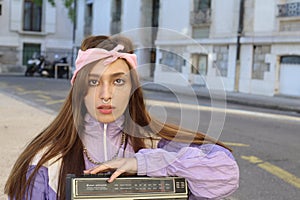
column 104, row 125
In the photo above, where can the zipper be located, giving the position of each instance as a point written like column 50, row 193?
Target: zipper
column 104, row 142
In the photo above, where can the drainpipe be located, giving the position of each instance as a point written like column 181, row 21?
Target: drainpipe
column 238, row 45
column 74, row 49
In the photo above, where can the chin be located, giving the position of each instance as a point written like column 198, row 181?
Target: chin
column 106, row 120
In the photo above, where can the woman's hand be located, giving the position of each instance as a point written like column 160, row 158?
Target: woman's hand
column 120, row 165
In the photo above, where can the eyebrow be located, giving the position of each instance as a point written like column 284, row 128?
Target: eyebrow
column 111, row 75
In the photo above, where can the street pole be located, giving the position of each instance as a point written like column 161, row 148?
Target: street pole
column 74, row 48
column 238, row 46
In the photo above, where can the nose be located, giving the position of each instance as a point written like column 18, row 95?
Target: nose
column 105, row 91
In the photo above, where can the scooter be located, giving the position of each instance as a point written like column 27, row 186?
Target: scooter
column 38, row 64
column 34, row 65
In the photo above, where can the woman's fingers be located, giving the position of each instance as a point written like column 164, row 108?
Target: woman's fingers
column 115, row 175
column 120, row 165
column 97, row 169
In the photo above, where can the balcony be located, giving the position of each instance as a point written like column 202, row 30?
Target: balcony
column 289, row 10
column 200, row 17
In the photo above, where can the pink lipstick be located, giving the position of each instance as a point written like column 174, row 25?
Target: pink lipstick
column 105, row 109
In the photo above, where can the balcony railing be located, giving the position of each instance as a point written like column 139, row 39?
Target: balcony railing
column 201, row 17
column 289, row 10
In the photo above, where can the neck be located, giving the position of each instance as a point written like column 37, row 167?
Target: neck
column 101, row 140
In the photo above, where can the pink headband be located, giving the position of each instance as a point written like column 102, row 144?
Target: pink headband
column 94, row 54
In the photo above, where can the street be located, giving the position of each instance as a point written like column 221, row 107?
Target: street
column 264, row 142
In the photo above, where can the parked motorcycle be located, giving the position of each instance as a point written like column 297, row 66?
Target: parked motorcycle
column 38, row 64
column 34, row 65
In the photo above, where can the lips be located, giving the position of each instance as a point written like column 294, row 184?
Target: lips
column 105, row 109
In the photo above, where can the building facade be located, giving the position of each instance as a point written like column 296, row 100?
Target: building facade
column 28, row 28
column 252, row 46
column 130, row 17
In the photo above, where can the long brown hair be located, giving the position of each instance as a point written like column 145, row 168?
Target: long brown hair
column 61, row 138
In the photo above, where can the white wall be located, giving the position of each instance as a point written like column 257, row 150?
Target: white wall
column 50, row 17
column 174, row 15
column 131, row 14
column 79, row 34
column 16, row 7
column 56, row 28
column 224, row 18
column 264, row 17
column 245, row 68
column 8, row 38
column 102, row 17
column 5, row 18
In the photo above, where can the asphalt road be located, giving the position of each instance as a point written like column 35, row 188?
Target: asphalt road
column 265, row 142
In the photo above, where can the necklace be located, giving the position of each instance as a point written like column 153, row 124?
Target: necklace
column 115, row 156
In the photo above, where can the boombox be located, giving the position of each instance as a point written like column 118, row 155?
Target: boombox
column 125, row 188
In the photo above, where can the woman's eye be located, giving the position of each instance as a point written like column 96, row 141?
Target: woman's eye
column 93, row 82
column 119, row 81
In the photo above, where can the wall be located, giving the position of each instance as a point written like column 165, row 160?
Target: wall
column 56, row 33
column 102, row 14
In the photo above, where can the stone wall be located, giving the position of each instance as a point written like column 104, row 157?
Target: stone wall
column 9, row 57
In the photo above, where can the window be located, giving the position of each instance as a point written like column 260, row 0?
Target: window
column 30, row 50
column 88, row 19
column 259, row 65
column 200, row 32
column 116, row 17
column 290, row 60
column 200, row 18
column 32, row 20
column 201, row 5
column 221, row 61
column 0, row 9
column 199, row 64
column 171, row 61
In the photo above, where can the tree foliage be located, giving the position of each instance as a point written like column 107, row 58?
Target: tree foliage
column 69, row 4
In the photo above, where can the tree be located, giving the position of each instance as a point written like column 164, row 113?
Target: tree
column 68, row 4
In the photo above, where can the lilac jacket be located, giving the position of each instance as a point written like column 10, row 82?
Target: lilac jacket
column 210, row 170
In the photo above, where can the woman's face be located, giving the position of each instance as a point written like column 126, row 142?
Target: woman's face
column 109, row 90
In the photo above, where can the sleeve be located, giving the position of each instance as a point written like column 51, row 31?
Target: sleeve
column 39, row 187
column 210, row 170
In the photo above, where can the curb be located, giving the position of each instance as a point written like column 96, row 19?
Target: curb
column 274, row 102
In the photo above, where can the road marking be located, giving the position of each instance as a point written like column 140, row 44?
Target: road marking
column 236, row 144
column 19, row 89
column 55, row 102
column 222, row 110
column 33, row 92
column 44, row 96
column 277, row 171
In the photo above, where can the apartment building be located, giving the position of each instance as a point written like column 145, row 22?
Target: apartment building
column 129, row 17
column 248, row 46
column 28, row 28
column 252, row 45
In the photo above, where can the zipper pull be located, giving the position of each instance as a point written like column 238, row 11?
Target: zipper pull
column 105, row 142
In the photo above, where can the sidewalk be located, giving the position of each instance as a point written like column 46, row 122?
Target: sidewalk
column 283, row 103
column 19, row 123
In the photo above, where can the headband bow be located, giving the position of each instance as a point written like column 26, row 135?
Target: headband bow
column 93, row 54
